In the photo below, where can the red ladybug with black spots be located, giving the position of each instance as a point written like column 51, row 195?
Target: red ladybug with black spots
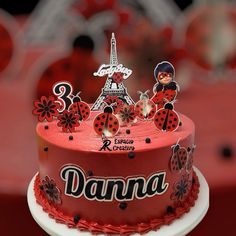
column 79, row 107
column 118, row 77
column 145, row 108
column 179, row 158
column 162, row 97
column 167, row 119
column 106, row 124
column 189, row 164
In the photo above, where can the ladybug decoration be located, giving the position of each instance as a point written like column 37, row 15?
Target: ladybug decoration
column 167, row 119
column 161, row 97
column 106, row 124
column 79, row 107
column 118, row 77
column 189, row 164
column 145, row 108
column 179, row 158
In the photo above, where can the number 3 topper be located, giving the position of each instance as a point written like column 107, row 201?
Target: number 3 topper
column 64, row 92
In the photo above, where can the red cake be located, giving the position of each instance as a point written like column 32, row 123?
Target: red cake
column 115, row 167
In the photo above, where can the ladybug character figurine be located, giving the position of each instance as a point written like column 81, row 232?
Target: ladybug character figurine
column 179, row 158
column 166, row 88
column 145, row 108
column 167, row 119
column 79, row 107
column 106, row 124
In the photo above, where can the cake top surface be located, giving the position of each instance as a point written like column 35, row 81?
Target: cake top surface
column 114, row 120
column 139, row 137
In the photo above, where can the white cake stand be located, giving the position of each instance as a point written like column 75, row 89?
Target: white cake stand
column 179, row 227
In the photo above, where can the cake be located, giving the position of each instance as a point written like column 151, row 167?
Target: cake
column 118, row 168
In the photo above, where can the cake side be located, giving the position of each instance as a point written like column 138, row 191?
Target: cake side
column 110, row 173
column 96, row 228
column 116, row 166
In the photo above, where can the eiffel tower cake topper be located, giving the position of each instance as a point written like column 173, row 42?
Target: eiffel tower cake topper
column 114, row 86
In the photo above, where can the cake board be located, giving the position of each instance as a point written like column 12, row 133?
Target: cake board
column 179, row 227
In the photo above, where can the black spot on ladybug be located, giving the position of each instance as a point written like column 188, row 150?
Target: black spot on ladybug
column 131, row 155
column 110, row 126
column 46, row 127
column 171, row 114
column 99, row 129
column 193, row 181
column 86, row 113
column 123, row 205
column 148, row 140
column 158, row 113
column 103, row 116
column 175, row 119
column 168, row 127
column 41, row 187
column 163, row 112
column 162, row 118
column 170, row 121
column 45, row 149
column 173, row 125
column 102, row 123
column 76, row 219
column 114, row 129
column 127, row 131
column 111, row 118
column 96, row 125
column 71, row 137
column 115, row 123
column 98, row 118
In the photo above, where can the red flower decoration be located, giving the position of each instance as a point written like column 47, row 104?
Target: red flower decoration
column 46, row 108
column 51, row 191
column 127, row 114
column 115, row 102
column 118, row 77
column 68, row 121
